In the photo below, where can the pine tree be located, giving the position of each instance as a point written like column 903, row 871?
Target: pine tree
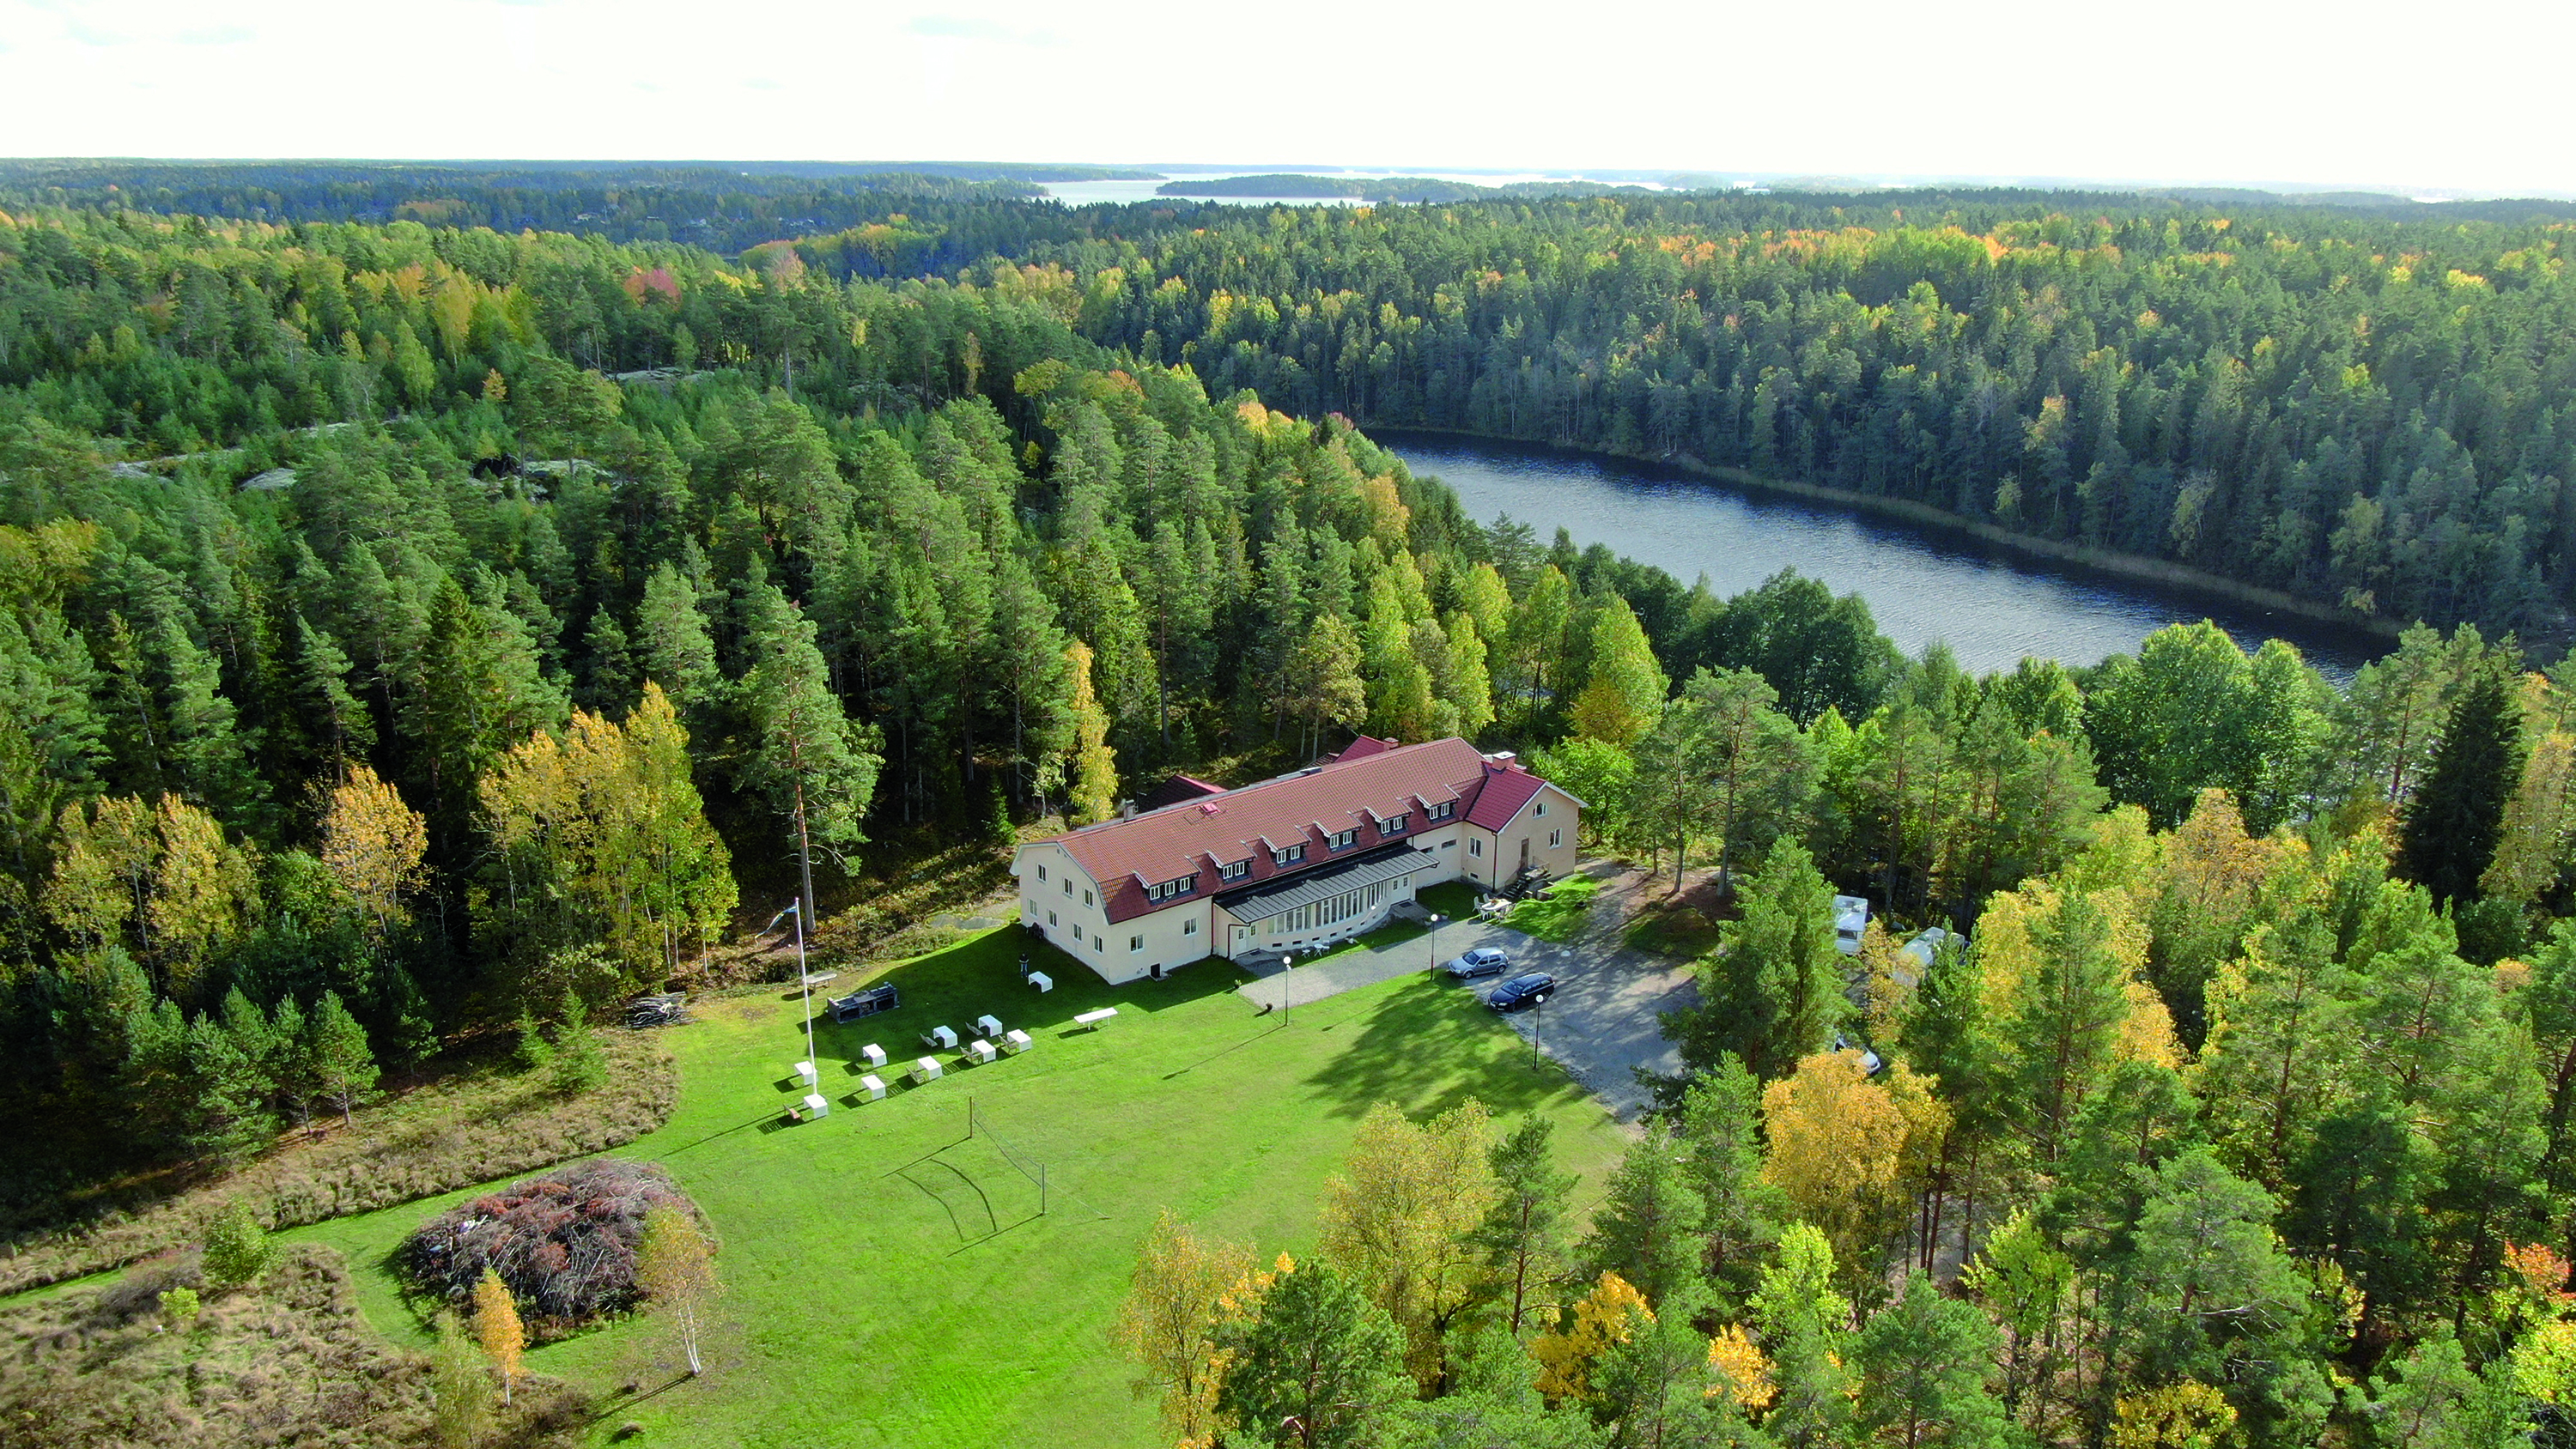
column 1318, row 1367
column 608, row 672
column 1721, row 1141
column 673, row 647
column 1775, row 994
column 341, row 729
column 237, row 1247
column 343, row 1067
column 579, row 1064
column 1321, row 684
column 1647, row 1229
column 813, row 766
column 2457, row 816
column 1522, row 1236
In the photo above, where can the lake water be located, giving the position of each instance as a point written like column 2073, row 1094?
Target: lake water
column 1989, row 605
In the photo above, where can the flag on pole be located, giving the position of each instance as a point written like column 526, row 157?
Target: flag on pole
column 782, row 915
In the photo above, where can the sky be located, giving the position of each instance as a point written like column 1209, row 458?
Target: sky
column 2421, row 99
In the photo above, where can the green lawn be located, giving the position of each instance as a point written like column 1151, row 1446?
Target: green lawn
column 890, row 1281
column 1556, row 914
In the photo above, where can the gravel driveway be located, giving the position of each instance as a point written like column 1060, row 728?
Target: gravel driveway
column 1600, row 1023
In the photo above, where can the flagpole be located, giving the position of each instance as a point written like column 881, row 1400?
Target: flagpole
column 806, row 978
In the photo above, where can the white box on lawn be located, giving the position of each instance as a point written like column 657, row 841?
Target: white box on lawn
column 925, row 1070
column 815, row 1105
column 805, row 1072
column 875, row 1086
column 989, row 1025
column 875, row 1054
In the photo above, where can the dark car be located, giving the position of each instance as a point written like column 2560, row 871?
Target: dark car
column 1483, row 961
column 1522, row 991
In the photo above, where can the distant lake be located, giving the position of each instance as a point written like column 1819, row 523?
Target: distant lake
column 1087, row 193
column 1988, row 604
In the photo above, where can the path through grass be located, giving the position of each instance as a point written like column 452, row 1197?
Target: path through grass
column 890, row 1280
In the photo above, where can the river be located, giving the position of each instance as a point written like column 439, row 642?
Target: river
column 1992, row 606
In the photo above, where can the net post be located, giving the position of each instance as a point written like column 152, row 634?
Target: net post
column 1042, row 1201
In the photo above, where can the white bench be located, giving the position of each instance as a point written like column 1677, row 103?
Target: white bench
column 821, row 978
column 1093, row 1019
column 979, row 1050
column 1016, row 1041
column 815, row 1106
column 939, row 1038
column 875, row 1054
column 924, row 1070
column 988, row 1025
column 875, row 1086
column 805, row 1073
column 1042, row 981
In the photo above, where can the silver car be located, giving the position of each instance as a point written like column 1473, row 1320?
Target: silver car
column 1483, row 961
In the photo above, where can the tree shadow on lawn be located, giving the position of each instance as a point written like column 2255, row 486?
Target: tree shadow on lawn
column 1428, row 1038
column 981, row 975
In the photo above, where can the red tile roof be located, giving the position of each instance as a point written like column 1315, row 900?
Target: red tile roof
column 1175, row 790
column 1355, row 791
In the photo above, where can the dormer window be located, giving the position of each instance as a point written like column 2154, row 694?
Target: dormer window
column 1344, row 839
column 1391, row 825
column 1170, row 888
column 1288, row 854
column 1233, row 869
column 1441, row 811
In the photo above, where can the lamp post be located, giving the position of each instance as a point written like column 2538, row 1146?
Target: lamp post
column 1432, row 936
column 1538, row 1018
column 1287, row 961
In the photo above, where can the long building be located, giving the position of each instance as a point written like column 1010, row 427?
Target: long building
column 1301, row 861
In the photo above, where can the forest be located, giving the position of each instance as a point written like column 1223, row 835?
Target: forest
column 413, row 630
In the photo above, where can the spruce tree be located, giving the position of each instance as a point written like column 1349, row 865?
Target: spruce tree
column 2457, row 815
column 805, row 756
column 1647, row 1229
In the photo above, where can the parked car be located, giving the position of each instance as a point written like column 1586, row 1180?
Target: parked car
column 1520, row 991
column 1483, row 961
column 1851, row 918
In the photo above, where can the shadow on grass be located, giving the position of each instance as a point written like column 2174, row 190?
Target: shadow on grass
column 992, row 1222
column 769, row 1116
column 981, row 975
column 1430, row 1049
column 1225, row 1051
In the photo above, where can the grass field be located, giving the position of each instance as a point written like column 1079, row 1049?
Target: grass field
column 890, row 1281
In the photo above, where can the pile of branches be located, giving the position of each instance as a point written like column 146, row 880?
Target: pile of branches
column 564, row 1242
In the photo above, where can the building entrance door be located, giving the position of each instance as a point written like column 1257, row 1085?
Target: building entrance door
column 1524, row 852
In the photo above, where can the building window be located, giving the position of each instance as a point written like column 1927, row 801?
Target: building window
column 1042, row 872
column 1441, row 811
column 1476, row 848
column 1344, row 839
column 1189, row 928
column 1393, row 825
column 1555, row 838
column 1135, row 943
column 1050, row 918
column 1448, row 845
column 1086, row 898
column 1098, row 944
column 1170, row 888
column 1542, row 810
column 1233, row 870
column 1289, row 855
column 1068, row 885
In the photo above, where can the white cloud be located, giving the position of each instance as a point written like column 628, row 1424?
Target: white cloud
column 2249, row 91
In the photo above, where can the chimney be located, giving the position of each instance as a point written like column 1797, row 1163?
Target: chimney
column 1126, row 809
